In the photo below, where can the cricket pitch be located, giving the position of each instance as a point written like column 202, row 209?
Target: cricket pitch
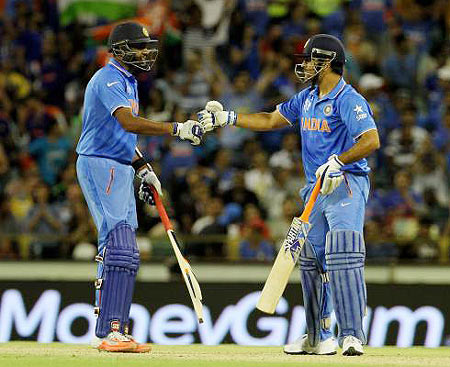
column 32, row 354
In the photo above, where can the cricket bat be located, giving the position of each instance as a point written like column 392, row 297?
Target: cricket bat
column 287, row 257
column 188, row 275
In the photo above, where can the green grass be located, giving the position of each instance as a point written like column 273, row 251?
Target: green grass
column 30, row 354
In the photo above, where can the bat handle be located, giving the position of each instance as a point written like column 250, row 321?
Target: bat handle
column 159, row 205
column 310, row 204
column 161, row 210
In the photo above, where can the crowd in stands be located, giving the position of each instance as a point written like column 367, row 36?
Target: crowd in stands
column 238, row 185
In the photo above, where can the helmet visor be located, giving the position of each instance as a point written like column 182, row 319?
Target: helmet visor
column 141, row 54
column 309, row 65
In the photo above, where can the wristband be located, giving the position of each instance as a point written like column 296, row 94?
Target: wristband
column 232, row 118
column 138, row 163
column 175, row 129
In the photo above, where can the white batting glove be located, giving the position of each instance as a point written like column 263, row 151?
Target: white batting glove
column 190, row 130
column 149, row 178
column 331, row 174
column 214, row 116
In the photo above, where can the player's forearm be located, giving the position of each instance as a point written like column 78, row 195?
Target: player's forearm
column 262, row 121
column 366, row 145
column 139, row 125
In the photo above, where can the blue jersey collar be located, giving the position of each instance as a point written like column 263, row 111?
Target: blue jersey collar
column 335, row 91
column 116, row 64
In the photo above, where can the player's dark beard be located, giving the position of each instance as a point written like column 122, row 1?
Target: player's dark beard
column 134, row 70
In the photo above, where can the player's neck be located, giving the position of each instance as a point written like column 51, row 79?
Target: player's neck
column 121, row 63
column 327, row 83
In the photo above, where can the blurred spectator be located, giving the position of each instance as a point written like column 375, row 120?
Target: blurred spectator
column 238, row 193
column 51, row 153
column 378, row 245
column 289, row 155
column 210, row 224
column 426, row 244
column 256, row 236
column 259, row 179
column 4, row 166
column 279, row 226
column 294, row 25
column 402, row 207
column 400, row 67
column 194, row 83
column 429, row 173
column 43, row 222
column 404, row 143
column 224, row 170
column 81, row 228
column 8, row 227
column 33, row 118
column 242, row 97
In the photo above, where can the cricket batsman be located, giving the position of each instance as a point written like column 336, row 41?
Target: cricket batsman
column 106, row 167
column 337, row 133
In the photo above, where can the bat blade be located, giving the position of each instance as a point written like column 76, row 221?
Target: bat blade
column 189, row 278
column 283, row 266
column 287, row 256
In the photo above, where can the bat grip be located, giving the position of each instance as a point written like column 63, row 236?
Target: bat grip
column 310, row 204
column 161, row 210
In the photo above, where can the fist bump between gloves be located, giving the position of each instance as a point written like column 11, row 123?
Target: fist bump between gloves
column 214, row 116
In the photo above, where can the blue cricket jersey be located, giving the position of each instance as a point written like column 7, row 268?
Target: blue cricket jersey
column 329, row 125
column 102, row 135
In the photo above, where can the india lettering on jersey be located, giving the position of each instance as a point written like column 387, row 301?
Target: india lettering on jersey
column 315, row 124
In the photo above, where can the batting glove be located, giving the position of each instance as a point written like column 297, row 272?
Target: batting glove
column 190, row 130
column 331, row 174
column 149, row 178
column 214, row 116
column 146, row 194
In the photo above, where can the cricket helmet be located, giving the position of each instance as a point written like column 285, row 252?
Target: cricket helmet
column 322, row 50
column 130, row 42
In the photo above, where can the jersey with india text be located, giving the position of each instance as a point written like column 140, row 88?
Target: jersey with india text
column 102, row 135
column 329, row 125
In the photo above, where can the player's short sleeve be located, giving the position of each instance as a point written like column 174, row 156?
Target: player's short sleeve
column 356, row 114
column 112, row 93
column 292, row 108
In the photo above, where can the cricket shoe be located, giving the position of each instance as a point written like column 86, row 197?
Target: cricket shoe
column 114, row 342
column 302, row 346
column 140, row 347
column 352, row 346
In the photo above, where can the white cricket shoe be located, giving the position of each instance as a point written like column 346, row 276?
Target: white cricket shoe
column 302, row 346
column 352, row 346
column 114, row 342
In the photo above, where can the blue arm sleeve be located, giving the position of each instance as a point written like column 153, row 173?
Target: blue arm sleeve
column 113, row 94
column 291, row 109
column 356, row 114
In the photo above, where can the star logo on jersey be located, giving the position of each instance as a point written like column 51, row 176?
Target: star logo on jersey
column 358, row 109
column 328, row 109
column 360, row 114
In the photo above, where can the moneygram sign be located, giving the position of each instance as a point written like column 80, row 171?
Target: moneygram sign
column 49, row 312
